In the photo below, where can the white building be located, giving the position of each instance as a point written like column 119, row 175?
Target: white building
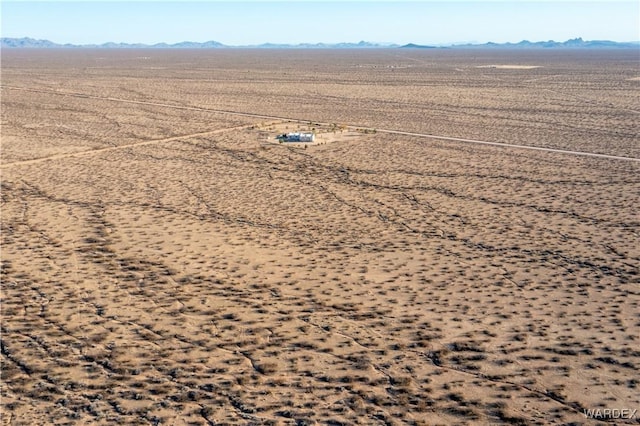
column 298, row 137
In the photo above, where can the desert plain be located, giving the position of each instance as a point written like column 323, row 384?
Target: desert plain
column 166, row 261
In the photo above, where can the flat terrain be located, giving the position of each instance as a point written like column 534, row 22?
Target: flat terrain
column 166, row 261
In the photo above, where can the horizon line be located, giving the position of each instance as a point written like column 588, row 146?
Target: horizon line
column 361, row 42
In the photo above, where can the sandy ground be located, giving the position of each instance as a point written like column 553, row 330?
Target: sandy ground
column 165, row 265
column 510, row 66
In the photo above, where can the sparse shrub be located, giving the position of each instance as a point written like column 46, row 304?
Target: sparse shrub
column 401, row 381
column 267, row 367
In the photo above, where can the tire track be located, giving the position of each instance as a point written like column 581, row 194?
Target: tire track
column 120, row 147
column 510, row 145
column 296, row 120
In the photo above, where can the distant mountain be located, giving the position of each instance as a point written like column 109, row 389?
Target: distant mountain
column 417, row 46
column 26, row 42
column 576, row 43
column 190, row 45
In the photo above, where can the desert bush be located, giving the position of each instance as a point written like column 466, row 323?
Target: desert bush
column 267, row 367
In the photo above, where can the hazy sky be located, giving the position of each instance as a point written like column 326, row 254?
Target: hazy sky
column 239, row 23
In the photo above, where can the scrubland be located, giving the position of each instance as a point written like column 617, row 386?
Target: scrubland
column 165, row 261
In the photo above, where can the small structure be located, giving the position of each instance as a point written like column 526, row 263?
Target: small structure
column 297, row 137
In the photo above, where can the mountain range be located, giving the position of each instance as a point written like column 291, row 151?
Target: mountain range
column 576, row 43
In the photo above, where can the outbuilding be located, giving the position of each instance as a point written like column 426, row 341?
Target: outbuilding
column 297, row 137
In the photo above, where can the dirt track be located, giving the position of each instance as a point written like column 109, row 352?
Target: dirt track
column 117, row 148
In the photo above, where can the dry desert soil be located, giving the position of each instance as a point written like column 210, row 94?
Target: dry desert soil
column 460, row 245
